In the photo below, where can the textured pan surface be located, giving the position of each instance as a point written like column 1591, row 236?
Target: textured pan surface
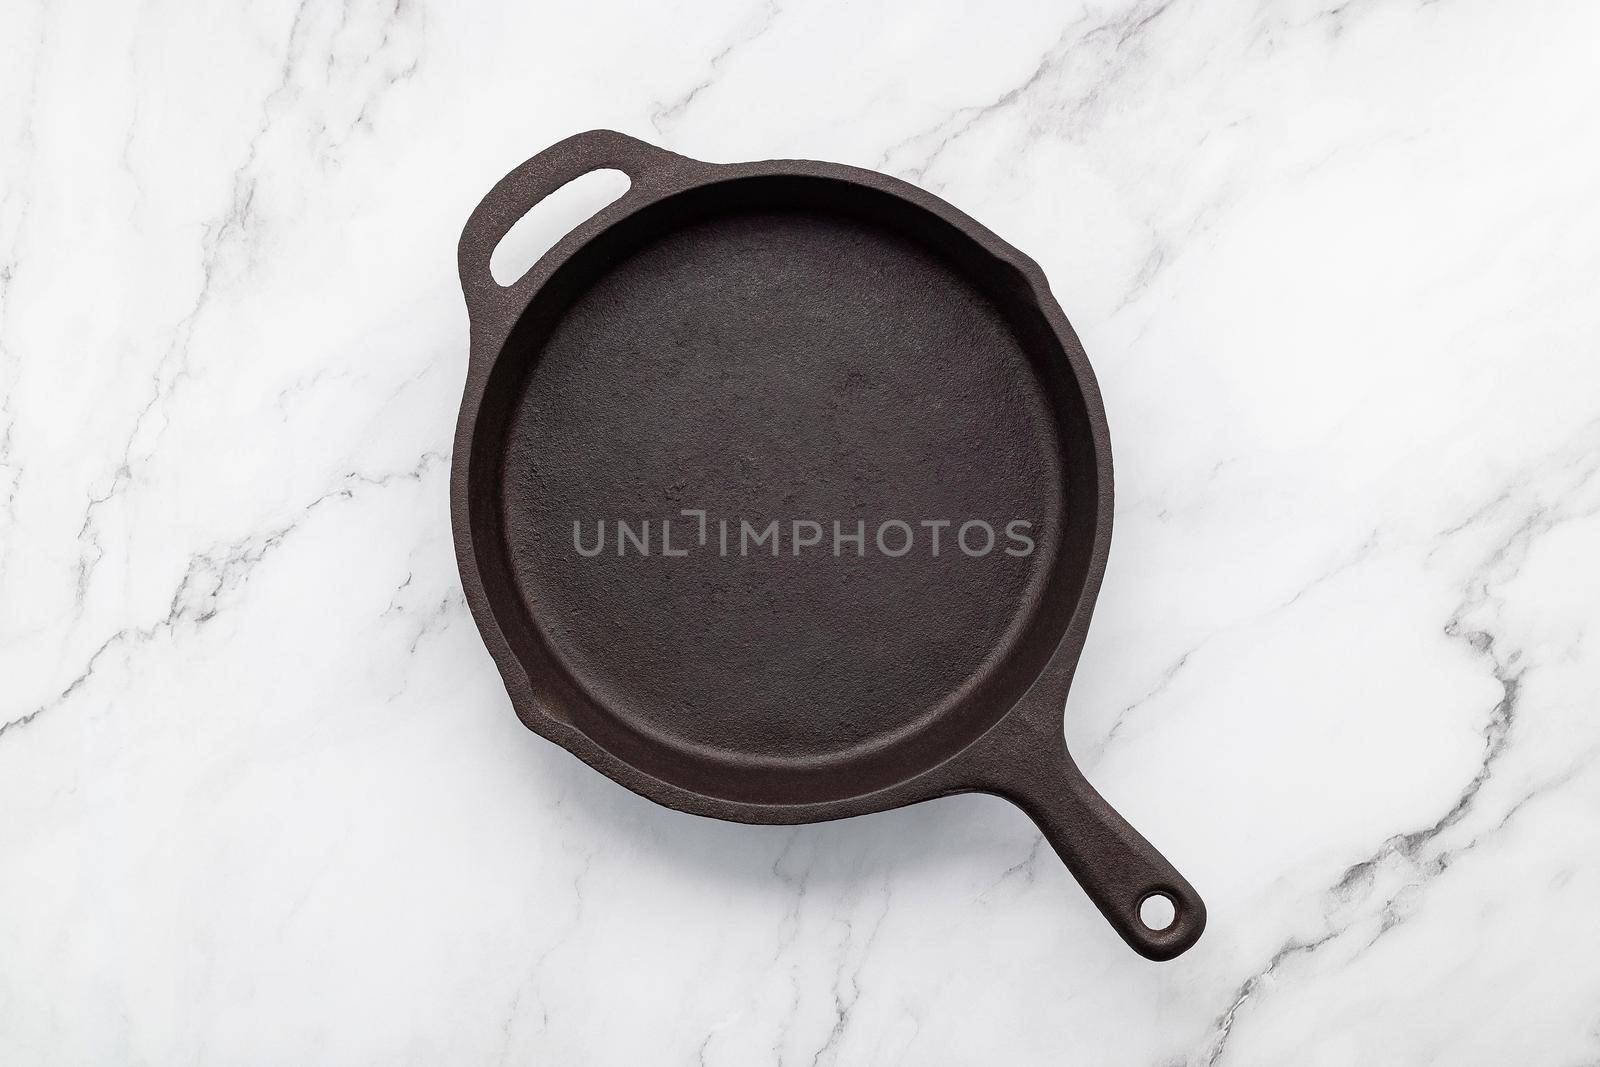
column 783, row 364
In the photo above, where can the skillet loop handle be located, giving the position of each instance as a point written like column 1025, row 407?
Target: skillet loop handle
column 493, row 306
column 1116, row 866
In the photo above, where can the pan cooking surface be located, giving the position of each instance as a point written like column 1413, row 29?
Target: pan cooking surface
column 782, row 365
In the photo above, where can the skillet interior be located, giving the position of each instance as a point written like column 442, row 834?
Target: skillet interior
column 781, row 347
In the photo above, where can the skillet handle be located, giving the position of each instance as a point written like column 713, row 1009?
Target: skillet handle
column 1116, row 866
column 493, row 307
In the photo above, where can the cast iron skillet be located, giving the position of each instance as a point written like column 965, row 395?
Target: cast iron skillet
column 803, row 342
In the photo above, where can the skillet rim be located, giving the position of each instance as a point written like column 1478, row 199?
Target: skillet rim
column 970, row 768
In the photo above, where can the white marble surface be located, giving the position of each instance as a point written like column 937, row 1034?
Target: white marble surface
column 263, row 800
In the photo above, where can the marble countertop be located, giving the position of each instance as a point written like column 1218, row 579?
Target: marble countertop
column 263, row 799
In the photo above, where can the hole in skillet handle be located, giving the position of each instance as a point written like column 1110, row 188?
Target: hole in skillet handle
column 1157, row 911
column 552, row 218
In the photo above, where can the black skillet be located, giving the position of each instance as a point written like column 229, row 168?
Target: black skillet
column 796, row 343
